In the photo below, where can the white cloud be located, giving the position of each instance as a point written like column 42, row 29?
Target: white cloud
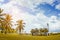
column 58, row 6
column 53, row 18
column 54, row 23
column 32, row 3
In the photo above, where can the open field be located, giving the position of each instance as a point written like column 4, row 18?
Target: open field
column 27, row 37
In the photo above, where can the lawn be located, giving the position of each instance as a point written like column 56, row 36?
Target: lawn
column 27, row 37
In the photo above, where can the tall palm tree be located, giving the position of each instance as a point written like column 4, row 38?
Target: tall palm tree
column 1, row 19
column 20, row 26
column 7, row 23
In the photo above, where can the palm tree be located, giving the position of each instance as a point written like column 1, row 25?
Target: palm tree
column 1, row 20
column 7, row 23
column 1, row 14
column 20, row 26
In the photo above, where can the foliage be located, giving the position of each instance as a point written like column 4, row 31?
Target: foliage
column 41, row 31
column 20, row 26
column 5, row 22
column 2, row 20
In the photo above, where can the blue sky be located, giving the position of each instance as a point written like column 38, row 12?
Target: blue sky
column 4, row 1
column 35, row 13
column 49, row 9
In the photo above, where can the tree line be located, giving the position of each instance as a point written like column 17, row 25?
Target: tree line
column 41, row 31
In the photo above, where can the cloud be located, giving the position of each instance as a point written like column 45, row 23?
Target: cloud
column 54, row 23
column 31, row 3
column 58, row 6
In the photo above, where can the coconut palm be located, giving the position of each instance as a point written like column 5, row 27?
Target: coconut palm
column 1, row 14
column 1, row 20
column 20, row 26
column 7, row 23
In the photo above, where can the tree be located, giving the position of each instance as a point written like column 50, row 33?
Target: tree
column 1, row 15
column 43, row 31
column 7, row 23
column 35, row 31
column 32, row 31
column 1, row 20
column 20, row 26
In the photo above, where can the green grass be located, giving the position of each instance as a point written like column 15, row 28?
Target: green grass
column 27, row 37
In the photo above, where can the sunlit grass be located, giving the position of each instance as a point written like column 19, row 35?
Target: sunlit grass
column 27, row 37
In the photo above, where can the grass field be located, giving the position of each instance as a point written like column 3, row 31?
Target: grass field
column 27, row 37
